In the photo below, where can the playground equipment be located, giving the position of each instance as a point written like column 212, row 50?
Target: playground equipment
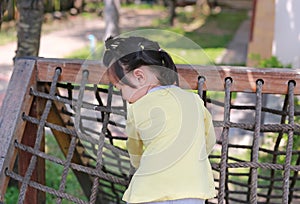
column 72, row 101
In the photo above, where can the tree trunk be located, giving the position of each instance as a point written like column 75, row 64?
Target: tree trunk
column 172, row 12
column 111, row 17
column 29, row 27
column 66, row 5
column 79, row 5
column 48, row 7
column 11, row 10
column 3, row 7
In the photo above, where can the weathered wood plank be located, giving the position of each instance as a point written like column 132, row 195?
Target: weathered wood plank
column 33, row 196
column 16, row 102
column 244, row 78
column 71, row 70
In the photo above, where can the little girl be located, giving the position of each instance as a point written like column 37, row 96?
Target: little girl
column 170, row 132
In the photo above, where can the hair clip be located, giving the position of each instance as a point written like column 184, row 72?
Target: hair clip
column 141, row 46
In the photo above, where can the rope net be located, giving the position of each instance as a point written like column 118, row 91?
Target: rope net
column 87, row 121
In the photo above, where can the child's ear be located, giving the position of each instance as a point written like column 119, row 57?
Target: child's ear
column 139, row 74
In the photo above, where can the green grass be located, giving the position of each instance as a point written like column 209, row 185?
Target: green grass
column 83, row 53
column 94, row 5
column 11, row 195
column 7, row 36
column 202, row 46
column 54, row 172
column 53, row 177
column 228, row 19
column 214, row 30
column 195, row 56
column 180, row 56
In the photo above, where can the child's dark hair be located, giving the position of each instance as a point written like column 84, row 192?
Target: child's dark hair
column 123, row 55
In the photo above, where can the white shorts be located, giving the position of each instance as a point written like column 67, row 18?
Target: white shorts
column 180, row 201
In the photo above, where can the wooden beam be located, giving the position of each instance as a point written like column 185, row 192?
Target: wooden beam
column 71, row 70
column 33, row 196
column 16, row 102
column 244, row 78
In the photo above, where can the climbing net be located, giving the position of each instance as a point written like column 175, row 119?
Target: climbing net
column 86, row 121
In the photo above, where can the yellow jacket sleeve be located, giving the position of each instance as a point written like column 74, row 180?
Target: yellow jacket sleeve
column 134, row 143
column 210, row 137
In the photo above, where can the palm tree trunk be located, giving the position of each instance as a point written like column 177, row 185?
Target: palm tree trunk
column 29, row 27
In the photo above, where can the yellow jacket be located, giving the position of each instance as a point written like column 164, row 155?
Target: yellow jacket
column 170, row 135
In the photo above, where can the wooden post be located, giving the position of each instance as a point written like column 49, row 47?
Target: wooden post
column 17, row 101
column 33, row 196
